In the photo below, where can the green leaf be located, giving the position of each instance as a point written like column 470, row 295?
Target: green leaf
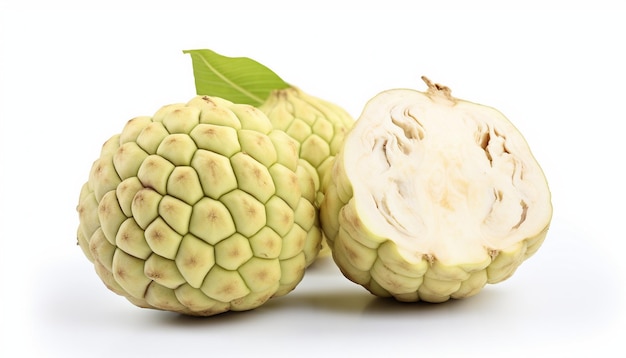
column 237, row 79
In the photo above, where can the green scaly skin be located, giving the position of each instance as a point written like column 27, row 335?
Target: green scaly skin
column 200, row 209
column 317, row 125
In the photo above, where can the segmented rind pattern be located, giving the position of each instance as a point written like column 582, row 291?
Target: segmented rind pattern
column 375, row 262
column 200, row 209
column 318, row 126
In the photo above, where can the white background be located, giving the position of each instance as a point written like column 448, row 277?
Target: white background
column 72, row 73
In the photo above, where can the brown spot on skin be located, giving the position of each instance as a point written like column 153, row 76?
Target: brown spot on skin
column 293, row 180
column 120, row 273
column 293, row 146
column 121, row 151
column 157, row 235
column 181, row 177
column 235, row 252
column 269, row 244
column 301, row 241
column 104, row 209
column 169, row 208
column 151, row 163
column 228, row 289
column 351, row 253
column 251, row 211
column 263, row 299
column 122, row 187
column 257, row 174
column 395, row 285
column 155, row 275
column 147, row 131
column 356, row 223
column 212, row 216
column 211, row 168
column 125, row 237
column 139, row 199
column 99, row 169
column 207, row 312
column 209, row 132
column 191, row 261
column 260, row 140
column 94, row 248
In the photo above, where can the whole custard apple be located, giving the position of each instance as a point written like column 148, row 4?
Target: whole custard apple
column 319, row 127
column 200, row 209
column 433, row 197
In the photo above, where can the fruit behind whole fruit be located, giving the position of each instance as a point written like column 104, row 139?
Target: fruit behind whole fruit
column 317, row 125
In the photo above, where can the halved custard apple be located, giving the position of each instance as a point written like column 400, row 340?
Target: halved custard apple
column 433, row 197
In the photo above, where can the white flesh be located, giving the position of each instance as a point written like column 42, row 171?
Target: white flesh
column 444, row 177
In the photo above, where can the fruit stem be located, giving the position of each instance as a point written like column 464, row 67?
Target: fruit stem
column 438, row 89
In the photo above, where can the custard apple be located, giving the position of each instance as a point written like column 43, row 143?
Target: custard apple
column 200, row 209
column 433, row 197
column 317, row 125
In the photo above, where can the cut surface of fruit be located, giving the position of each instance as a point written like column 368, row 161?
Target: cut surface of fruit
column 444, row 179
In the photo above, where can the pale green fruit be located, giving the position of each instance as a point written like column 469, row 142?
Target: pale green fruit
column 317, row 125
column 433, row 197
column 200, row 209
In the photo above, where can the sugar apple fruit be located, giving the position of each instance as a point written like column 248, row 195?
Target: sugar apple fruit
column 433, row 197
column 317, row 125
column 200, row 209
